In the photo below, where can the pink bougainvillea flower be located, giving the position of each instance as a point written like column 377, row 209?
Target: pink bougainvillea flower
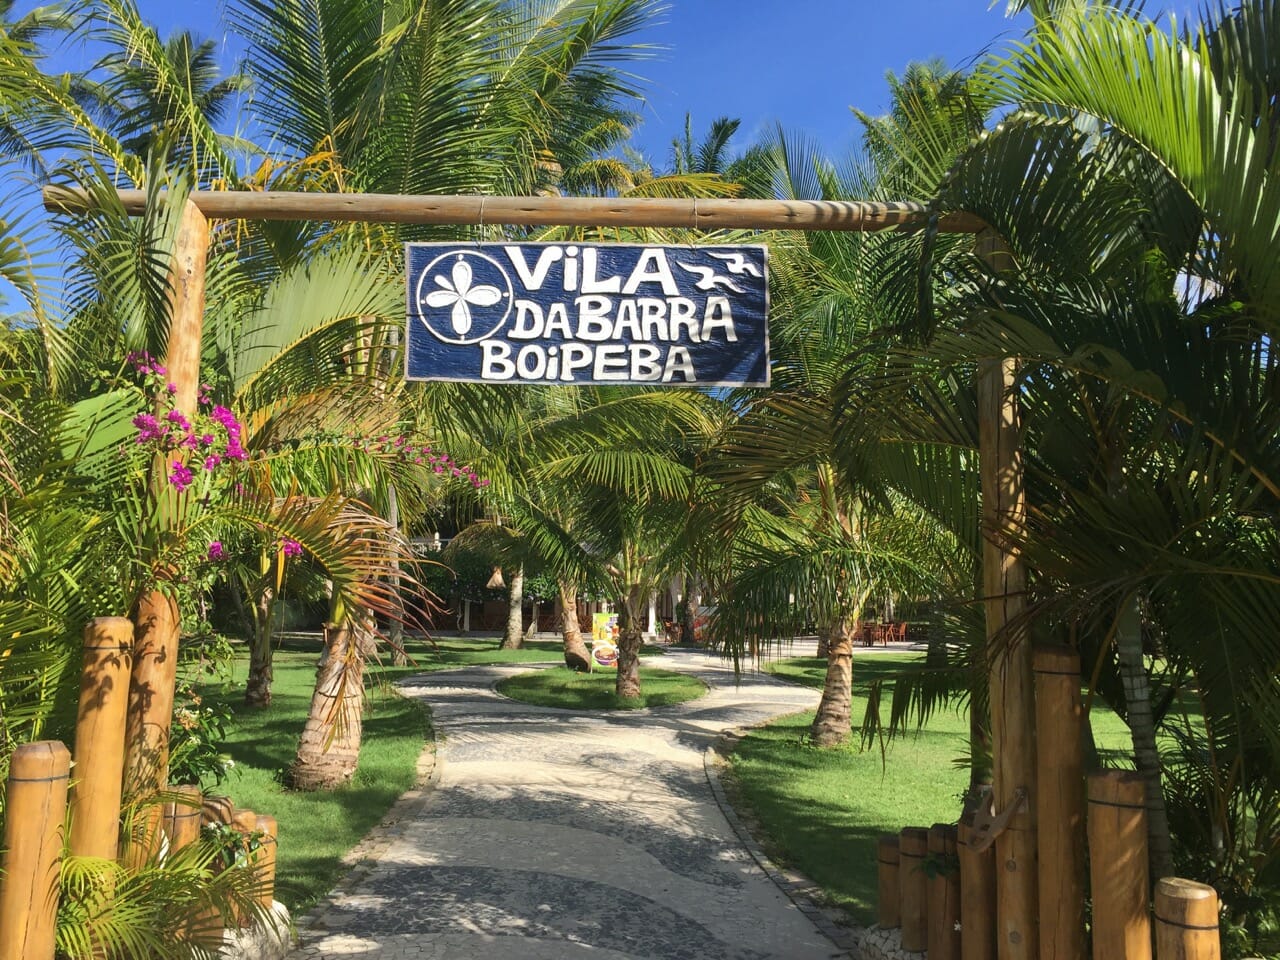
column 180, row 476
column 291, row 548
column 211, row 461
column 216, row 552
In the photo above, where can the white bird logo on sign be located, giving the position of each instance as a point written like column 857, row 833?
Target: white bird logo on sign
column 709, row 280
column 737, row 263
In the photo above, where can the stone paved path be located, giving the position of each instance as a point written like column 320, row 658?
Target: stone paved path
column 553, row 835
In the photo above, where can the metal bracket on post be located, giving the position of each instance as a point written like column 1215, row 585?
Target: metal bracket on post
column 987, row 824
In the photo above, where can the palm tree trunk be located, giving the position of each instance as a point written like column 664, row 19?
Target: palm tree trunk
column 824, row 640
column 630, row 639
column 831, row 725
column 576, row 656
column 330, row 745
column 395, row 633
column 513, row 638
column 1142, row 727
column 257, row 691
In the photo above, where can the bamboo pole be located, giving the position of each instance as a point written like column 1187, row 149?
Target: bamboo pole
column 35, row 811
column 977, row 897
column 1118, row 865
column 858, row 216
column 944, row 894
column 913, row 847
column 99, row 743
column 1186, row 921
column 1011, row 684
column 1060, row 803
column 266, row 860
column 889, row 914
column 182, row 817
column 151, row 689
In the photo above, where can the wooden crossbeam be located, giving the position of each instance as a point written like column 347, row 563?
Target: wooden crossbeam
column 806, row 215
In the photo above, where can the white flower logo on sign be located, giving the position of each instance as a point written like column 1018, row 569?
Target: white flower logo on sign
column 471, row 298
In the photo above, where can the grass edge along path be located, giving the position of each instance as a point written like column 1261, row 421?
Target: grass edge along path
column 821, row 811
column 565, row 689
column 316, row 830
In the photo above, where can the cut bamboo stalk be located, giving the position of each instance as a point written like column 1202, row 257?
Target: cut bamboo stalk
column 889, row 915
column 977, row 897
column 246, row 821
column 99, row 743
column 1060, row 804
column 35, row 811
column 1186, row 921
column 1011, row 684
column 1118, row 866
column 182, row 817
column 913, row 847
column 944, row 894
column 858, row 216
column 266, row 860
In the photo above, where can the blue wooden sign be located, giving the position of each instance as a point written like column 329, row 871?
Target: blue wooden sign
column 563, row 313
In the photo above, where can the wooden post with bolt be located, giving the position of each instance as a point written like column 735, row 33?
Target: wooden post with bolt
column 99, row 743
column 1060, row 803
column 1118, row 865
column 1186, row 921
column 888, row 912
column 35, row 811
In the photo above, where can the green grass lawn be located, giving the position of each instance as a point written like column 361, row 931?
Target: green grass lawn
column 317, row 829
column 823, row 810
column 562, row 687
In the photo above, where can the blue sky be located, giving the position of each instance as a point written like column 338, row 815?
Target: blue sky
column 802, row 62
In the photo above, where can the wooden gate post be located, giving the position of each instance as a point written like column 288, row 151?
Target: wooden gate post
column 1012, row 688
column 913, row 847
column 156, row 621
column 889, row 914
column 99, row 744
column 944, row 894
column 1118, row 865
column 977, row 897
column 1186, row 921
column 35, row 810
column 1060, row 803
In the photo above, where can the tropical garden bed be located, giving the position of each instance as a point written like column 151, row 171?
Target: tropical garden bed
column 569, row 690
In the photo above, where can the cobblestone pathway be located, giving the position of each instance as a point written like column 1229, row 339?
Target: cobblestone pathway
column 553, row 835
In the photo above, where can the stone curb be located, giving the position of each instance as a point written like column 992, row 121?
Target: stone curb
column 365, row 855
column 799, row 889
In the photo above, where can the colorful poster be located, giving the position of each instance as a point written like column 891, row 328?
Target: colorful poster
column 604, row 628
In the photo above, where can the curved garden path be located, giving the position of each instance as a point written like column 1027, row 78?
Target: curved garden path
column 551, row 834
